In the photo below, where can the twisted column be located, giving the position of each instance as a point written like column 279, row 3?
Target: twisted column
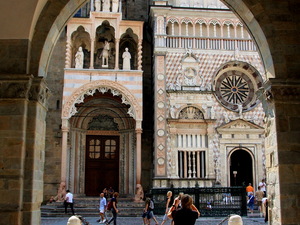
column 140, row 54
column 68, row 53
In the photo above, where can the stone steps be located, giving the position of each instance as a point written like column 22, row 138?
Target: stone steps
column 89, row 207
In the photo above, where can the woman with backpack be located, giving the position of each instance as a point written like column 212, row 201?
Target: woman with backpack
column 114, row 209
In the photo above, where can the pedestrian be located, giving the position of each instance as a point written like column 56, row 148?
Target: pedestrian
column 110, row 192
column 249, row 189
column 146, row 210
column 168, row 206
column 262, row 186
column 187, row 214
column 265, row 208
column 250, row 202
column 259, row 196
column 69, row 200
column 105, row 192
column 114, row 208
column 150, row 211
column 102, row 208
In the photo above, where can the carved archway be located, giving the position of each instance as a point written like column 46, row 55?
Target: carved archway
column 69, row 108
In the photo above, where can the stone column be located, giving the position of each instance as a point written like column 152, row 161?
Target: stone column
column 281, row 103
column 35, row 151
column 117, row 54
column 68, row 61
column 22, row 140
column 140, row 54
column 65, row 131
column 138, row 155
column 92, row 53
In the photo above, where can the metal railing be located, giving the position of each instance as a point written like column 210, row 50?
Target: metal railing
column 211, row 201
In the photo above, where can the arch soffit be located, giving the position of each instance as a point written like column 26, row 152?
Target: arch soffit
column 192, row 105
column 103, row 86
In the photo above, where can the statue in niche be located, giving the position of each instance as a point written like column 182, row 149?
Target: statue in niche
column 98, row 5
column 105, row 54
column 240, row 111
column 172, row 112
column 115, row 5
column 106, row 5
column 126, row 59
column 212, row 113
column 79, row 58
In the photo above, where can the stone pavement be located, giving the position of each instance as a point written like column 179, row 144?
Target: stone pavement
column 138, row 221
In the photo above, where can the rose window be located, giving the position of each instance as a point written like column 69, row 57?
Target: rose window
column 235, row 84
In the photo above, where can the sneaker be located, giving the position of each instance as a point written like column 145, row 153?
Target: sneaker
column 98, row 221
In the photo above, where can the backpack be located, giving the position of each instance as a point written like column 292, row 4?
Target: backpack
column 109, row 205
column 151, row 205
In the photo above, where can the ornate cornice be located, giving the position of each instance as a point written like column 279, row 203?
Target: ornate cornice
column 282, row 90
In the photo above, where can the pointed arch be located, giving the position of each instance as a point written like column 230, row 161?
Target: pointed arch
column 103, row 86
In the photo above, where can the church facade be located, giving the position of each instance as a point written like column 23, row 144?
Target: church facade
column 207, row 121
column 44, row 148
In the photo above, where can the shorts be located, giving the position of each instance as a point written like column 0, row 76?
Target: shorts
column 101, row 210
column 150, row 215
column 145, row 214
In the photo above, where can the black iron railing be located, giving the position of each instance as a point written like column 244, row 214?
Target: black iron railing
column 211, row 201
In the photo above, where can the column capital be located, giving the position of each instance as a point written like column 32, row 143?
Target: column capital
column 138, row 130
column 39, row 91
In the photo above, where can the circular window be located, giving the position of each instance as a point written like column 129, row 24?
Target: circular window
column 236, row 85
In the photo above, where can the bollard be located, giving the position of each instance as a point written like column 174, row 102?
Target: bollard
column 235, row 220
column 74, row 220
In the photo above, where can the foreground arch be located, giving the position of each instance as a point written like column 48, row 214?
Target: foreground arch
column 279, row 51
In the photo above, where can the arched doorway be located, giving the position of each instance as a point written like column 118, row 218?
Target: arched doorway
column 101, row 145
column 241, row 168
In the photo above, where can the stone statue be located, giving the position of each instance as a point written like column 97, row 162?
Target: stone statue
column 105, row 54
column 106, row 5
column 212, row 113
column 172, row 112
column 240, row 111
column 139, row 195
column 79, row 58
column 126, row 59
column 115, row 5
column 98, row 5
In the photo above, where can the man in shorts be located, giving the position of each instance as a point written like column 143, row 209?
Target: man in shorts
column 102, row 208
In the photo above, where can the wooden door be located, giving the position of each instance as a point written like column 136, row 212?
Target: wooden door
column 102, row 164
